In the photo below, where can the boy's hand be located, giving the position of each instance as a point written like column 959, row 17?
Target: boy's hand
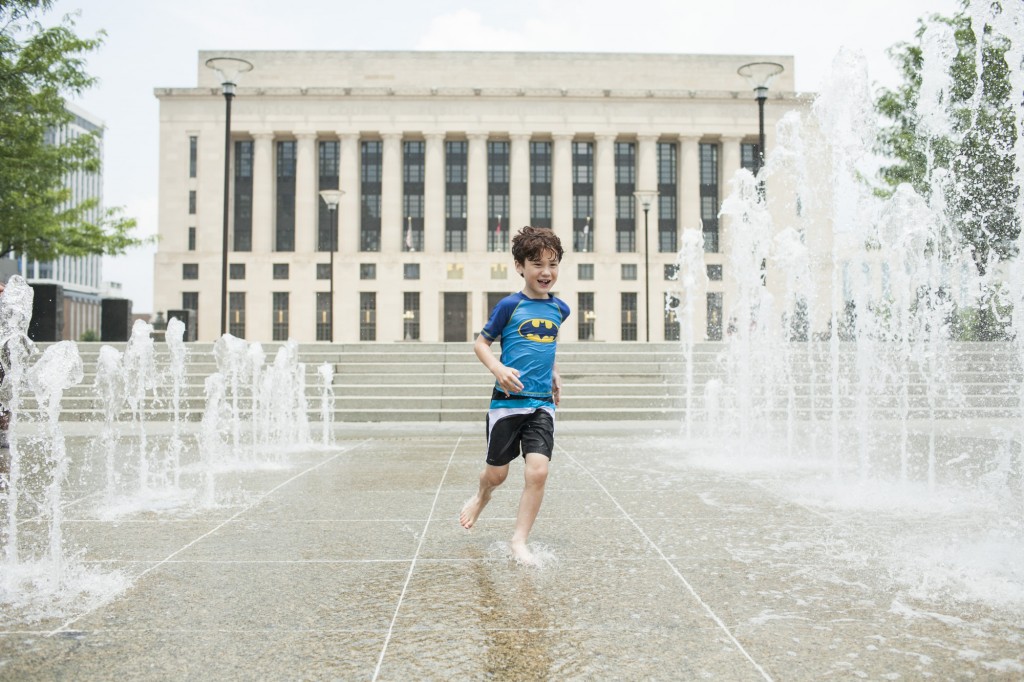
column 508, row 379
column 556, row 386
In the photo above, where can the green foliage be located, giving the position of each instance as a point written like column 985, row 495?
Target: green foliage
column 989, row 321
column 982, row 195
column 40, row 67
column 89, row 335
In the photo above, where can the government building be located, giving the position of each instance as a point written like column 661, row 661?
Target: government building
column 440, row 158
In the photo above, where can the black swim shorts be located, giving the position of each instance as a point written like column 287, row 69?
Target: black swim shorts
column 512, row 435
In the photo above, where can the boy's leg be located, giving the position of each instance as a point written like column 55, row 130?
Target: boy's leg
column 529, row 504
column 490, row 478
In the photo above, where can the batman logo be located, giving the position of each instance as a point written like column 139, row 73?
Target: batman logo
column 541, row 331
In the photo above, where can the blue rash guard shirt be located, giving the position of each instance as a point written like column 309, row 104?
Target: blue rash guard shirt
column 528, row 329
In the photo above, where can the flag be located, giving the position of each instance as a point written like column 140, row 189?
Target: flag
column 408, row 236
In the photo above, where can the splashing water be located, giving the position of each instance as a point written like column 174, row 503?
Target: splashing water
column 325, row 372
column 140, row 377
column 58, row 369
column 864, row 373
column 15, row 350
column 174, row 336
column 111, row 391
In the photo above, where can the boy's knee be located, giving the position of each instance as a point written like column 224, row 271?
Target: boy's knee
column 537, row 472
column 495, row 476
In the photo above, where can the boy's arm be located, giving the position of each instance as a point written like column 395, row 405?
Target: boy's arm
column 507, row 377
column 556, row 384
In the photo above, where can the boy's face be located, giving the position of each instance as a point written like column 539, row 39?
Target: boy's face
column 539, row 274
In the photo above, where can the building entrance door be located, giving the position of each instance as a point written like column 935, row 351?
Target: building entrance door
column 455, row 316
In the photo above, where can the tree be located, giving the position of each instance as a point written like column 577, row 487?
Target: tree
column 40, row 67
column 978, row 149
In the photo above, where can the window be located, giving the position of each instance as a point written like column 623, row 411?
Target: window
column 284, row 232
column 328, row 161
column 411, row 316
column 236, row 271
column 191, row 202
column 629, row 271
column 367, row 316
column 585, row 324
column 411, row 271
column 190, row 301
column 191, row 239
column 709, row 195
column 628, row 318
column 540, row 184
column 714, row 328
column 323, row 270
column 498, row 175
column 749, row 158
column 371, row 170
column 667, row 193
column 280, row 323
column 280, row 271
column 625, row 202
column 715, row 273
column 236, row 314
column 243, row 195
column 585, row 271
column 671, row 272
column 582, row 196
column 456, row 167
column 193, row 149
column 323, row 316
column 499, row 271
column 190, row 270
column 367, row 271
column 671, row 317
column 413, row 187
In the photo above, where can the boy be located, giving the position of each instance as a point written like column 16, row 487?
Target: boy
column 527, row 389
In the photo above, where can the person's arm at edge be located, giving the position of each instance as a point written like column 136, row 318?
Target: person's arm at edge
column 556, row 384
column 507, row 377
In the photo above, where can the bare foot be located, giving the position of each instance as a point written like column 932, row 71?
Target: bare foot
column 471, row 510
column 522, row 554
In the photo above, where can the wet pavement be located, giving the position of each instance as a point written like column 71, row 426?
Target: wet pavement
column 349, row 563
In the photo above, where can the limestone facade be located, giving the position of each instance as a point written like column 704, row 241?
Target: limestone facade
column 440, row 156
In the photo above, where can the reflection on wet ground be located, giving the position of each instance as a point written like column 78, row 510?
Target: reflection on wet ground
column 349, row 563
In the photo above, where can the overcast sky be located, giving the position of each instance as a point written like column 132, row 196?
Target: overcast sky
column 152, row 44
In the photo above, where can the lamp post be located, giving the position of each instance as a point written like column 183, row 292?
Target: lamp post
column 229, row 69
column 646, row 198
column 332, row 197
column 760, row 75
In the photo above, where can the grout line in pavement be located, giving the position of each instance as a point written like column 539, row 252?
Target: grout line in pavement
column 672, row 566
column 255, row 502
column 412, row 567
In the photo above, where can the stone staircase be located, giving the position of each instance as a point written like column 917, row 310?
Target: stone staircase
column 603, row 381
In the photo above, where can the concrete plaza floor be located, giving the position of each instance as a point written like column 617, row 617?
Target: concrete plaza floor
column 350, row 564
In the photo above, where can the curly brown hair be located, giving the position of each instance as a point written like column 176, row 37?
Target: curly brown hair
column 530, row 243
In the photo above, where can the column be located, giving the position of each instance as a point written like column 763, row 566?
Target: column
column 649, row 302
column 688, row 211
column 263, row 193
column 391, row 195
column 730, row 157
column 561, row 188
column 306, row 173
column 476, row 191
column 349, row 207
column 433, row 201
column 688, row 183
column 603, row 223
column 519, row 183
